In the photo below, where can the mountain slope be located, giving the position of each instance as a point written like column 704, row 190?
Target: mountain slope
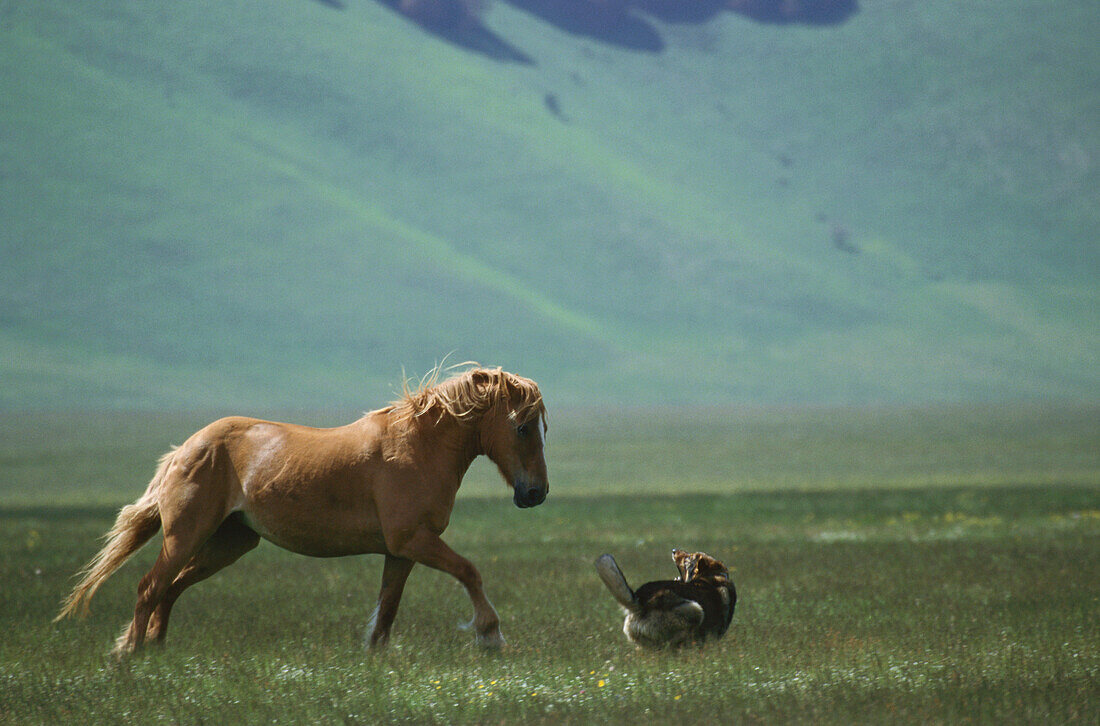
column 283, row 204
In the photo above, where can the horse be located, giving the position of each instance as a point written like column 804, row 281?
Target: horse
column 384, row 484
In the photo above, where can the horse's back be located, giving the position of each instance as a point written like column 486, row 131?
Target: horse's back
column 244, row 436
column 247, row 455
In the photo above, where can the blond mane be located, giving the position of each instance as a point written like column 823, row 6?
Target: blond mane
column 468, row 394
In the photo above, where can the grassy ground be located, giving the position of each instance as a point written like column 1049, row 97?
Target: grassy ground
column 913, row 599
column 899, row 207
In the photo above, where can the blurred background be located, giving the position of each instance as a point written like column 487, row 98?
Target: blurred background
column 285, row 204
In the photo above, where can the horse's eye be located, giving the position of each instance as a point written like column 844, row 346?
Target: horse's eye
column 523, row 429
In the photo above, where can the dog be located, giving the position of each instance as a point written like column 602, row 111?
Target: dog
column 673, row 613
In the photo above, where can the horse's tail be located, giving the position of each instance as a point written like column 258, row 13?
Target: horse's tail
column 612, row 576
column 136, row 524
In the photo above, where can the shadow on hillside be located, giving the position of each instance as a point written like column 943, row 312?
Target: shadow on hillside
column 608, row 21
column 626, row 23
column 458, row 23
column 479, row 39
column 622, row 23
column 670, row 11
column 454, row 21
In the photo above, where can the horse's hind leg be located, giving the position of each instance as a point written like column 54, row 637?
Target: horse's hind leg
column 394, row 574
column 229, row 542
column 175, row 552
column 192, row 506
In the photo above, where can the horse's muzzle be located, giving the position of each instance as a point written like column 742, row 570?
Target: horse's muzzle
column 528, row 496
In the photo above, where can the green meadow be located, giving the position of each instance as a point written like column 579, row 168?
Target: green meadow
column 923, row 565
column 212, row 203
column 817, row 295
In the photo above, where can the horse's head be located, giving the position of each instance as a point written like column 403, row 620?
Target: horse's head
column 509, row 417
column 511, row 435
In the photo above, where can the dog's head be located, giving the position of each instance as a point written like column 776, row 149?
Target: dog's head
column 698, row 566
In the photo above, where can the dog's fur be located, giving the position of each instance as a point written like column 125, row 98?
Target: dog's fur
column 671, row 613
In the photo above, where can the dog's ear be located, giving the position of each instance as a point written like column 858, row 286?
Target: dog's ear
column 707, row 566
column 682, row 559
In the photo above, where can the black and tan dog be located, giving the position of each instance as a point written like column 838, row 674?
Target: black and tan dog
column 671, row 613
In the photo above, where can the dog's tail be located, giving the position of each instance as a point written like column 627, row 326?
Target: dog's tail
column 612, row 576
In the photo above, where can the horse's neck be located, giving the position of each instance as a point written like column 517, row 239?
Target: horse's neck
column 447, row 445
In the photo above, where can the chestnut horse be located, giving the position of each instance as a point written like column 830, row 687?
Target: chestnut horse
column 384, row 484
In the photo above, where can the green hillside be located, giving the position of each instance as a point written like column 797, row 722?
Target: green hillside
column 282, row 203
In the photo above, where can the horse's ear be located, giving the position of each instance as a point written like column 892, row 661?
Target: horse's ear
column 481, row 378
column 508, row 385
column 487, row 388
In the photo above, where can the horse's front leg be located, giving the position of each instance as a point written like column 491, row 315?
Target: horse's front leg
column 427, row 548
column 394, row 574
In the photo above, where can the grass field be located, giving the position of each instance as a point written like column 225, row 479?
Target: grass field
column 899, row 207
column 922, row 565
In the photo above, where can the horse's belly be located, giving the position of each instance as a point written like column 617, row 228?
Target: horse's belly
column 316, row 536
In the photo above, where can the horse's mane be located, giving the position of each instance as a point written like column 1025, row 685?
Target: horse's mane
column 468, row 394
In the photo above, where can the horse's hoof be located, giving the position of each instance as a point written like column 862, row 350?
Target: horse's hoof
column 492, row 641
column 377, row 646
column 466, row 626
column 122, row 653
